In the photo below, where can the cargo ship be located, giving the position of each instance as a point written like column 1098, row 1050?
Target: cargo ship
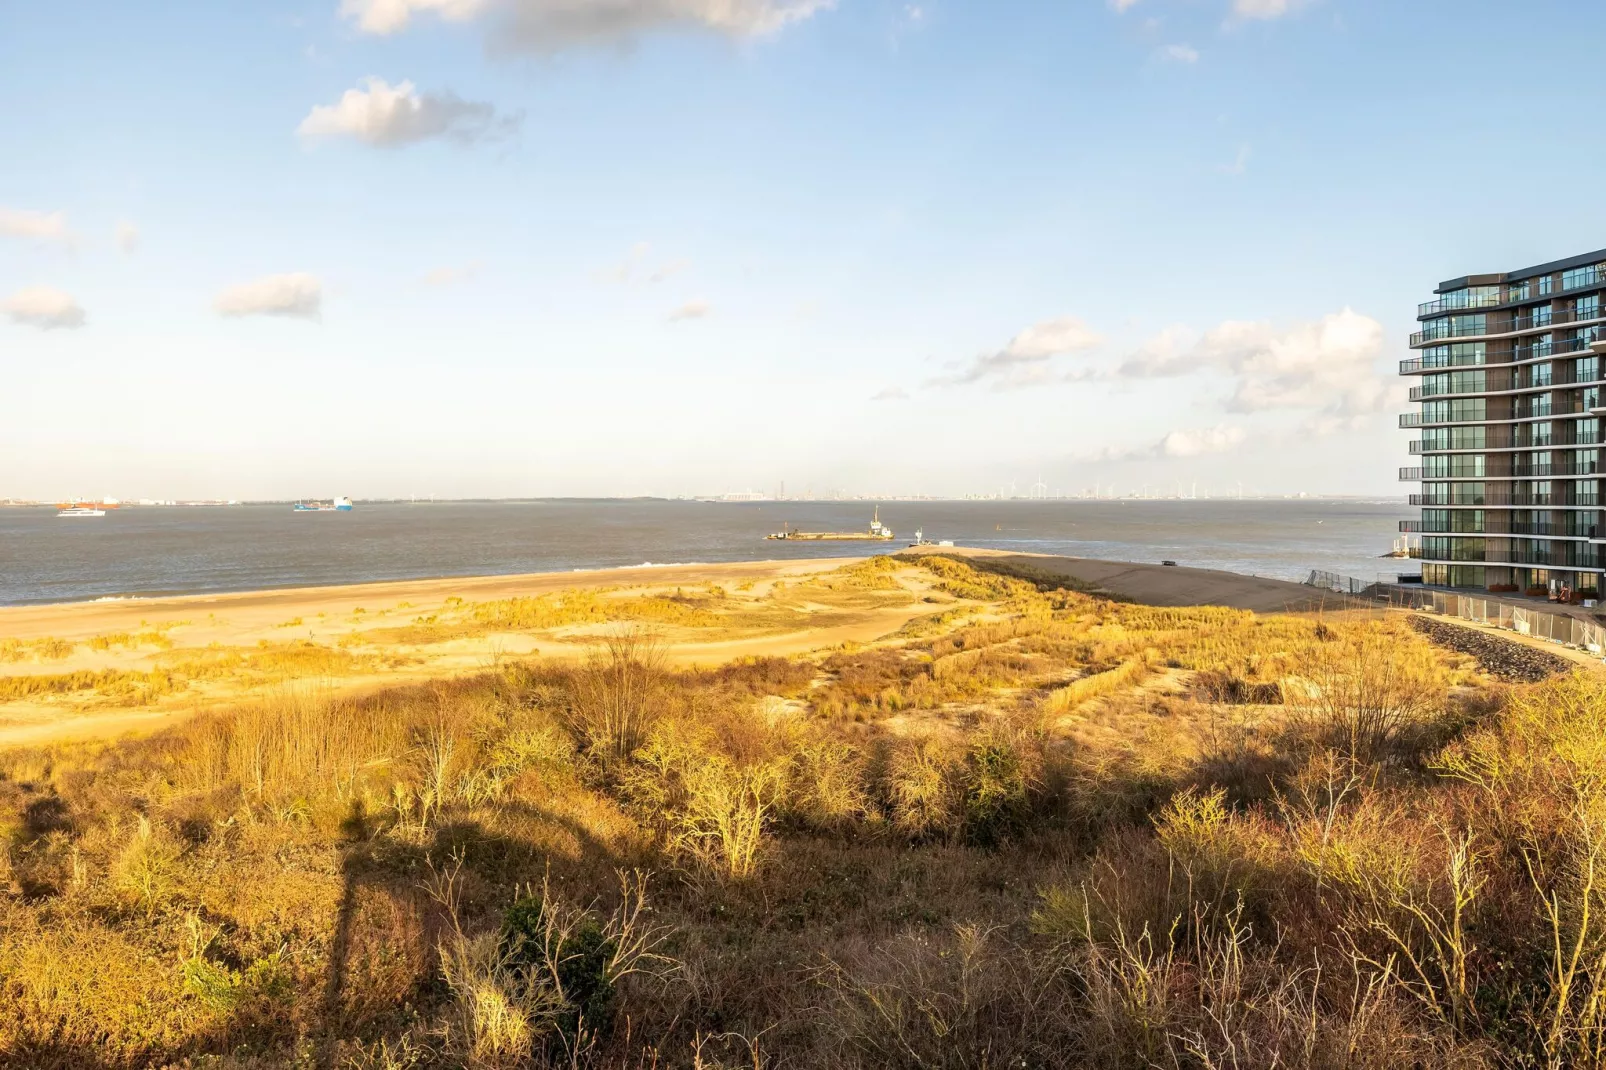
column 341, row 504
column 878, row 532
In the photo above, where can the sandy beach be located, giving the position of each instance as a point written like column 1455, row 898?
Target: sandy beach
column 103, row 668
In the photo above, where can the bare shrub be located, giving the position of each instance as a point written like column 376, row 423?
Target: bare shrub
column 827, row 791
column 728, row 805
column 926, row 789
column 1359, row 693
column 531, row 983
column 617, row 694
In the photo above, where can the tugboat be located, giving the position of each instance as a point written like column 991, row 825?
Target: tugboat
column 341, row 504
column 878, row 532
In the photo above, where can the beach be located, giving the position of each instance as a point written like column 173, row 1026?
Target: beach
column 104, row 668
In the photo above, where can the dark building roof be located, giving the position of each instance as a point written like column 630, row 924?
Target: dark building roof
column 1581, row 260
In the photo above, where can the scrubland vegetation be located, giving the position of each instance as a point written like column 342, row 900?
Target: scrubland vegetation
column 1036, row 829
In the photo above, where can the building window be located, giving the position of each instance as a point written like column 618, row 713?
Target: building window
column 1547, row 284
column 1581, row 277
column 1587, row 308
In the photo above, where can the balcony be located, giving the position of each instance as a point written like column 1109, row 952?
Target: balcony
column 1410, row 475
column 1471, row 303
column 1516, row 324
column 1410, row 419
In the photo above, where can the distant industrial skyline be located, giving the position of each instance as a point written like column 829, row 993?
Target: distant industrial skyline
column 505, row 248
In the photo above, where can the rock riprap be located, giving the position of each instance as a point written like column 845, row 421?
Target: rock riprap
column 1505, row 658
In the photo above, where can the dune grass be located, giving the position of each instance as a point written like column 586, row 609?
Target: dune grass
column 917, row 854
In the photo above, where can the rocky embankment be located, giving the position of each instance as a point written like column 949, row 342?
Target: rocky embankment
column 1505, row 658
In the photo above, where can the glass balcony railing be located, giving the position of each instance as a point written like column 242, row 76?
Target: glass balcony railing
column 1410, row 475
column 1460, row 301
column 1475, row 298
column 1536, row 322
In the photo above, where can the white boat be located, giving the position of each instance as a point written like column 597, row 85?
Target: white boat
column 80, row 510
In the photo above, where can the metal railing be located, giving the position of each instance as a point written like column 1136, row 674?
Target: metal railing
column 1562, row 628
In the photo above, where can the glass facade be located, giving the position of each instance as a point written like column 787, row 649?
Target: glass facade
column 1510, row 451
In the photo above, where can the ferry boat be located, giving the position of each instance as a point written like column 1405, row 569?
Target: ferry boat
column 878, row 532
column 341, row 504
column 78, row 508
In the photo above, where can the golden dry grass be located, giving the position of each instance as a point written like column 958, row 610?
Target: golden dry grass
column 1064, row 831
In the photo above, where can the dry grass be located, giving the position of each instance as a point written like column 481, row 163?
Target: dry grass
column 46, row 649
column 1024, row 841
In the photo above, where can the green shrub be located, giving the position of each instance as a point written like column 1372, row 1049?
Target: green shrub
column 577, row 958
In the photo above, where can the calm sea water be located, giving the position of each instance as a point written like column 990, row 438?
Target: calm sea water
column 172, row 550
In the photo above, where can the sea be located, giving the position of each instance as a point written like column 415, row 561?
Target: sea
column 165, row 550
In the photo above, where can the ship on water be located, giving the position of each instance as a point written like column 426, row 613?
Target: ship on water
column 83, row 508
column 878, row 532
column 341, row 504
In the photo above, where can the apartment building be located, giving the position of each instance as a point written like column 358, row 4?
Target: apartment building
column 1509, row 381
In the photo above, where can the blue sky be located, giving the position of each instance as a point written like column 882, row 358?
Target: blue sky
column 512, row 247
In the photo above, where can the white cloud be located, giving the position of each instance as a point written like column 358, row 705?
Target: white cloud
column 1028, row 358
column 1263, row 9
column 43, row 307
column 1325, row 366
column 891, row 393
column 127, row 236
column 1217, row 439
column 1121, row 6
column 297, row 295
column 1179, row 54
column 1177, row 445
column 35, row 226
column 549, row 25
column 446, row 276
column 691, row 310
column 390, row 16
column 386, row 116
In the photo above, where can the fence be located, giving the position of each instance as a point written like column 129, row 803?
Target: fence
column 1560, row 628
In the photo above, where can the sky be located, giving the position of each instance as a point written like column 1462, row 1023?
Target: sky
column 499, row 248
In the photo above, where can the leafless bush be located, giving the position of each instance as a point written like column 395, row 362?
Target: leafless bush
column 1360, row 693
column 618, row 693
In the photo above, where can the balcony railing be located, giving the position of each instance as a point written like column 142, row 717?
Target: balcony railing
column 1410, row 475
column 1410, row 419
column 1570, row 281
column 1470, row 302
column 1557, row 318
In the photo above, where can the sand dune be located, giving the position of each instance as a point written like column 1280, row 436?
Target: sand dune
column 142, row 662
